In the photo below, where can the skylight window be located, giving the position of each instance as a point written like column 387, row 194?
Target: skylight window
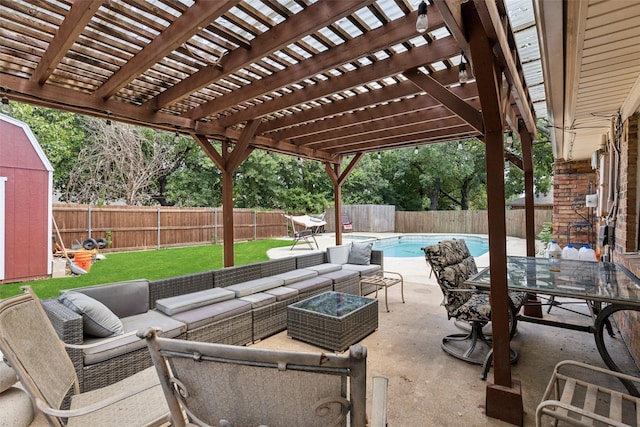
column 369, row 18
column 347, row 26
column 249, row 19
column 314, row 43
column 330, row 35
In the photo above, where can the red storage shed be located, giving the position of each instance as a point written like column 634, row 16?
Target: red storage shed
column 26, row 185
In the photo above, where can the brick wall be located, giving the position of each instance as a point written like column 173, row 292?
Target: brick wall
column 627, row 216
column 572, row 181
column 626, row 227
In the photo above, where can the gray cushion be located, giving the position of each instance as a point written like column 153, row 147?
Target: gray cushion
column 282, row 293
column 364, row 270
column 253, row 286
column 260, row 299
column 180, row 303
column 341, row 275
column 338, row 254
column 212, row 313
column 295, row 275
column 312, row 284
column 327, row 267
column 97, row 319
column 360, row 253
column 122, row 298
column 100, row 352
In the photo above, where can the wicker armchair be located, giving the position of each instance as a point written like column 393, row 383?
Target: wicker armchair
column 31, row 346
column 453, row 264
column 218, row 384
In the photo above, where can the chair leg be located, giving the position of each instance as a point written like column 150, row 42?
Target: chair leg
column 488, row 362
column 475, row 335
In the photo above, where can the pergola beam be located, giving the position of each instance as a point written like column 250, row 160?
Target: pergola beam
column 507, row 54
column 72, row 26
column 436, row 51
column 415, row 109
column 296, row 27
column 378, row 39
column 286, row 126
column 182, row 29
column 450, row 100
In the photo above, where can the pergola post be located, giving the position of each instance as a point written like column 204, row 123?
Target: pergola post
column 527, row 163
column 228, row 162
column 504, row 395
column 338, row 177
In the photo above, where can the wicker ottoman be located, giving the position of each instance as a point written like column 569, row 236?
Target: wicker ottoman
column 332, row 320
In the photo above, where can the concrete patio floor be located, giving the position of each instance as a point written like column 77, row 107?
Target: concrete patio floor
column 427, row 387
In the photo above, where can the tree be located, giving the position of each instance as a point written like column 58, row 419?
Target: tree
column 542, row 165
column 121, row 162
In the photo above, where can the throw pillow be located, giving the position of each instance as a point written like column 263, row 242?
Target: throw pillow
column 97, row 319
column 360, row 253
column 338, row 254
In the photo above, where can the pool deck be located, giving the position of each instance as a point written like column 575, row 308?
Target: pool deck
column 404, row 266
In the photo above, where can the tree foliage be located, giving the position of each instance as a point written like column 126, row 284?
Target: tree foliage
column 96, row 163
column 122, row 162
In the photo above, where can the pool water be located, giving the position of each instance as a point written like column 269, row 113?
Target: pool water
column 410, row 246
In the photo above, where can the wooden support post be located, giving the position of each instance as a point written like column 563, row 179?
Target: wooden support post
column 533, row 306
column 228, row 162
column 338, row 177
column 504, row 397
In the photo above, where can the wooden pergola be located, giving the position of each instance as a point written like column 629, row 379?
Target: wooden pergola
column 328, row 81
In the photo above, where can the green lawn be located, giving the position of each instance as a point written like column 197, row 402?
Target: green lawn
column 151, row 264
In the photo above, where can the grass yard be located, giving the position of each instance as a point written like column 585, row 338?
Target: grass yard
column 151, row 264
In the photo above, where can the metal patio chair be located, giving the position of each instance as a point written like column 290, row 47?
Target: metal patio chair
column 218, row 384
column 31, row 347
column 453, row 264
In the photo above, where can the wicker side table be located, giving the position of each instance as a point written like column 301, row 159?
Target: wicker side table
column 332, row 320
column 382, row 279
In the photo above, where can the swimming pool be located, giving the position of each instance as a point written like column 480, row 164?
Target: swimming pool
column 410, row 245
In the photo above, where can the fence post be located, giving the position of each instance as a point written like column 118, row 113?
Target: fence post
column 255, row 225
column 215, row 226
column 89, row 221
column 158, row 228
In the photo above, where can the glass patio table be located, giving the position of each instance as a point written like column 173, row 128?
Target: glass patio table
column 606, row 287
column 332, row 320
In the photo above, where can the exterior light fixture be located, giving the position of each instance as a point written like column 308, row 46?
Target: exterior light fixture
column 108, row 121
column 510, row 139
column 5, row 101
column 463, row 75
column 415, row 151
column 422, row 23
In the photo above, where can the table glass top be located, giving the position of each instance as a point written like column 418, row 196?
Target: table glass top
column 334, row 304
column 597, row 281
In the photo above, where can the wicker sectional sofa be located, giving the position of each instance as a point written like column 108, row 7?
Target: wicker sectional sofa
column 233, row 305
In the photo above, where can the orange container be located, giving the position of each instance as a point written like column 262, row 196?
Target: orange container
column 83, row 260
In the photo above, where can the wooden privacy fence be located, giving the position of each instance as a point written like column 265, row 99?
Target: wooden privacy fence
column 139, row 227
column 466, row 222
column 136, row 227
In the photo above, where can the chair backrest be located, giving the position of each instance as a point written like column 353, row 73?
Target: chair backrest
column 219, row 384
column 346, row 220
column 32, row 347
column 453, row 264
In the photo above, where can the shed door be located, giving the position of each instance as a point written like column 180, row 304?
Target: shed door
column 2, row 208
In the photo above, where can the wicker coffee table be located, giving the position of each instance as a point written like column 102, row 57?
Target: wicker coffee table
column 332, row 320
column 384, row 279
